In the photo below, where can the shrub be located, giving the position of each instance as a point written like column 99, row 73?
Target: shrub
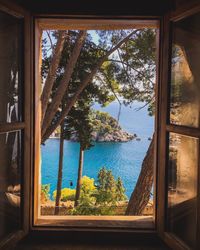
column 120, row 190
column 100, row 200
column 45, row 192
column 66, row 194
column 106, row 187
column 87, row 185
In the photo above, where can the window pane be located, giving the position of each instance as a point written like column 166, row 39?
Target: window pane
column 182, row 187
column 10, row 182
column 185, row 77
column 10, row 68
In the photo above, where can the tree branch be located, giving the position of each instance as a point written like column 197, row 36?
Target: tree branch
column 85, row 82
column 50, row 40
column 146, row 104
column 52, row 72
column 128, row 76
column 53, row 107
column 113, row 91
column 125, row 63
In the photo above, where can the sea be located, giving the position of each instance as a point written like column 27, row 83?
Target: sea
column 123, row 158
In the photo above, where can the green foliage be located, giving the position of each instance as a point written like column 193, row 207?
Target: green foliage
column 78, row 123
column 87, row 186
column 128, row 74
column 87, row 199
column 66, row 194
column 86, row 205
column 120, row 190
column 100, row 199
column 106, row 187
column 109, row 190
column 103, row 122
column 45, row 191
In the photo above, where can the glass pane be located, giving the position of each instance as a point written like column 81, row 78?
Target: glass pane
column 10, row 182
column 185, row 77
column 182, row 187
column 10, row 68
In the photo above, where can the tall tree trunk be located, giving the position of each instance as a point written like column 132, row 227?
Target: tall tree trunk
column 142, row 191
column 80, row 170
column 60, row 172
column 52, row 71
column 61, row 90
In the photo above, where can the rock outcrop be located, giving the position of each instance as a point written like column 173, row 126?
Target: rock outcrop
column 115, row 136
column 107, row 129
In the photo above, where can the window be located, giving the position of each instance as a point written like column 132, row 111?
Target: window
column 177, row 174
column 11, row 124
column 102, row 36
column 183, row 131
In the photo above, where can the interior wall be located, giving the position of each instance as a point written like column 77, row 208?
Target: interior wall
column 94, row 7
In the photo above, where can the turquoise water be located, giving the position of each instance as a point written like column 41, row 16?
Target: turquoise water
column 124, row 159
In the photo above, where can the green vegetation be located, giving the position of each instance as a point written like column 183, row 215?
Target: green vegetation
column 45, row 192
column 102, row 198
column 103, row 122
column 89, row 125
column 66, row 194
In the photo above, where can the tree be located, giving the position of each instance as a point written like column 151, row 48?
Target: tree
column 120, row 190
column 47, row 126
column 122, row 63
column 86, row 203
column 51, row 76
column 60, row 171
column 45, row 192
column 78, row 124
column 62, row 87
column 106, row 187
column 142, row 191
column 100, row 199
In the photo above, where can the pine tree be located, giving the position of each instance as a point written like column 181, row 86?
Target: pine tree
column 102, row 178
column 110, row 182
column 120, row 190
column 78, row 124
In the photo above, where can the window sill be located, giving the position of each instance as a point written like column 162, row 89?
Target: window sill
column 97, row 222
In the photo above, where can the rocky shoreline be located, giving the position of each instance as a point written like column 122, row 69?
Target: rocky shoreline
column 105, row 129
column 114, row 136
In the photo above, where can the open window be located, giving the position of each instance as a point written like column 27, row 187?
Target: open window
column 104, row 74
column 180, row 132
column 14, row 124
column 176, row 192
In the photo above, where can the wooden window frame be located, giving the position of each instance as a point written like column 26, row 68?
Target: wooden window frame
column 31, row 135
column 24, row 126
column 166, row 127
column 85, row 222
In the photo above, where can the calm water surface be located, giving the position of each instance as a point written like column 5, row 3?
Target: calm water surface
column 124, row 159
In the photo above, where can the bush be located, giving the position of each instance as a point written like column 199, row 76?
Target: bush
column 87, row 185
column 86, row 206
column 45, row 192
column 66, row 194
column 100, row 200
